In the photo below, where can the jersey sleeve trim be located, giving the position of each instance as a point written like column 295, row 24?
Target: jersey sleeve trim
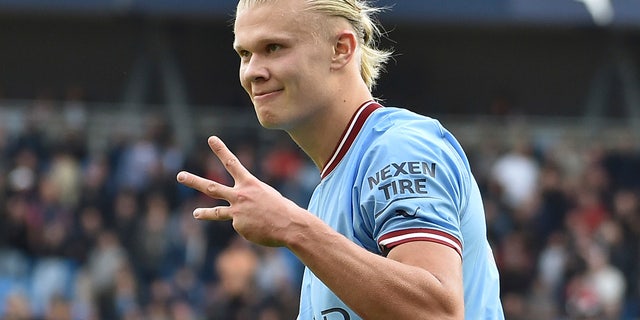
column 395, row 238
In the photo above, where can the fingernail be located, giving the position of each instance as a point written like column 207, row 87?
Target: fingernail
column 196, row 213
column 180, row 176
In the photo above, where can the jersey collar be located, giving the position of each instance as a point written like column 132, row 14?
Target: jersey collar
column 349, row 135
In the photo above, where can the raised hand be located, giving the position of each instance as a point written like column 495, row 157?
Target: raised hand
column 259, row 212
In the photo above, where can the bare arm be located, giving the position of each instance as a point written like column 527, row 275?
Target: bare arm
column 418, row 280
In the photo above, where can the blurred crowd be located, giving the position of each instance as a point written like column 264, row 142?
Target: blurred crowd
column 110, row 235
column 564, row 223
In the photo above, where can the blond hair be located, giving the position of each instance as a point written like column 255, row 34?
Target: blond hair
column 361, row 15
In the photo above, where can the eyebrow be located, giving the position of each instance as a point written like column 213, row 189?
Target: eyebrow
column 266, row 40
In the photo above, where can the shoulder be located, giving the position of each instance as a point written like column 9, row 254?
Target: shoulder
column 398, row 138
column 400, row 133
column 397, row 119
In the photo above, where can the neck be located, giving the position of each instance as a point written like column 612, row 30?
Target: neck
column 319, row 137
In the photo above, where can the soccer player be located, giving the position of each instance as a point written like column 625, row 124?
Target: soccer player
column 396, row 228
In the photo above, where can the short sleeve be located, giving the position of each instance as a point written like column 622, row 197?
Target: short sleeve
column 413, row 187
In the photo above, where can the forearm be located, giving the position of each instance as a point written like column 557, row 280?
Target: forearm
column 373, row 286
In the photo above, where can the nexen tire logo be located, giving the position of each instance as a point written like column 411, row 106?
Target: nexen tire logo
column 386, row 179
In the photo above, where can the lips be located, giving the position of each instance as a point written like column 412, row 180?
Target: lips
column 260, row 94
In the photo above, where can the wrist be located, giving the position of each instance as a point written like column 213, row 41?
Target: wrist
column 299, row 229
column 303, row 229
column 306, row 236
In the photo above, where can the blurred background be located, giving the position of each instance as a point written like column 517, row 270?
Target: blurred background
column 102, row 102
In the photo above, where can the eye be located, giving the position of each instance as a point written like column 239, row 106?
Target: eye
column 273, row 47
column 244, row 53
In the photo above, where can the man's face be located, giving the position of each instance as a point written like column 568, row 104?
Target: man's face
column 282, row 62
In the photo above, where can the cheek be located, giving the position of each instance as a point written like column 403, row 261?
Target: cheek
column 243, row 81
column 241, row 75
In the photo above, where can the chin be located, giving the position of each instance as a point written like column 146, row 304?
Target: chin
column 270, row 126
column 272, row 120
column 269, row 122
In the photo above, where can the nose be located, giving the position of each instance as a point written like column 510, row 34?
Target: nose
column 254, row 69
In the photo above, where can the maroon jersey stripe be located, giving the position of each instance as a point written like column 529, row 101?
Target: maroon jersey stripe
column 395, row 238
column 349, row 135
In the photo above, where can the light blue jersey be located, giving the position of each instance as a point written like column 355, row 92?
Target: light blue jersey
column 396, row 177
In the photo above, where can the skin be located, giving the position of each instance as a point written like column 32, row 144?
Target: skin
column 305, row 80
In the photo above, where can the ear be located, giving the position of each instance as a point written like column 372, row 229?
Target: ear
column 344, row 49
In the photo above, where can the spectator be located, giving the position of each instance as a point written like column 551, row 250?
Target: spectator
column 517, row 162
column 124, row 219
column 234, row 296
column 105, row 260
column 84, row 236
column 152, row 244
